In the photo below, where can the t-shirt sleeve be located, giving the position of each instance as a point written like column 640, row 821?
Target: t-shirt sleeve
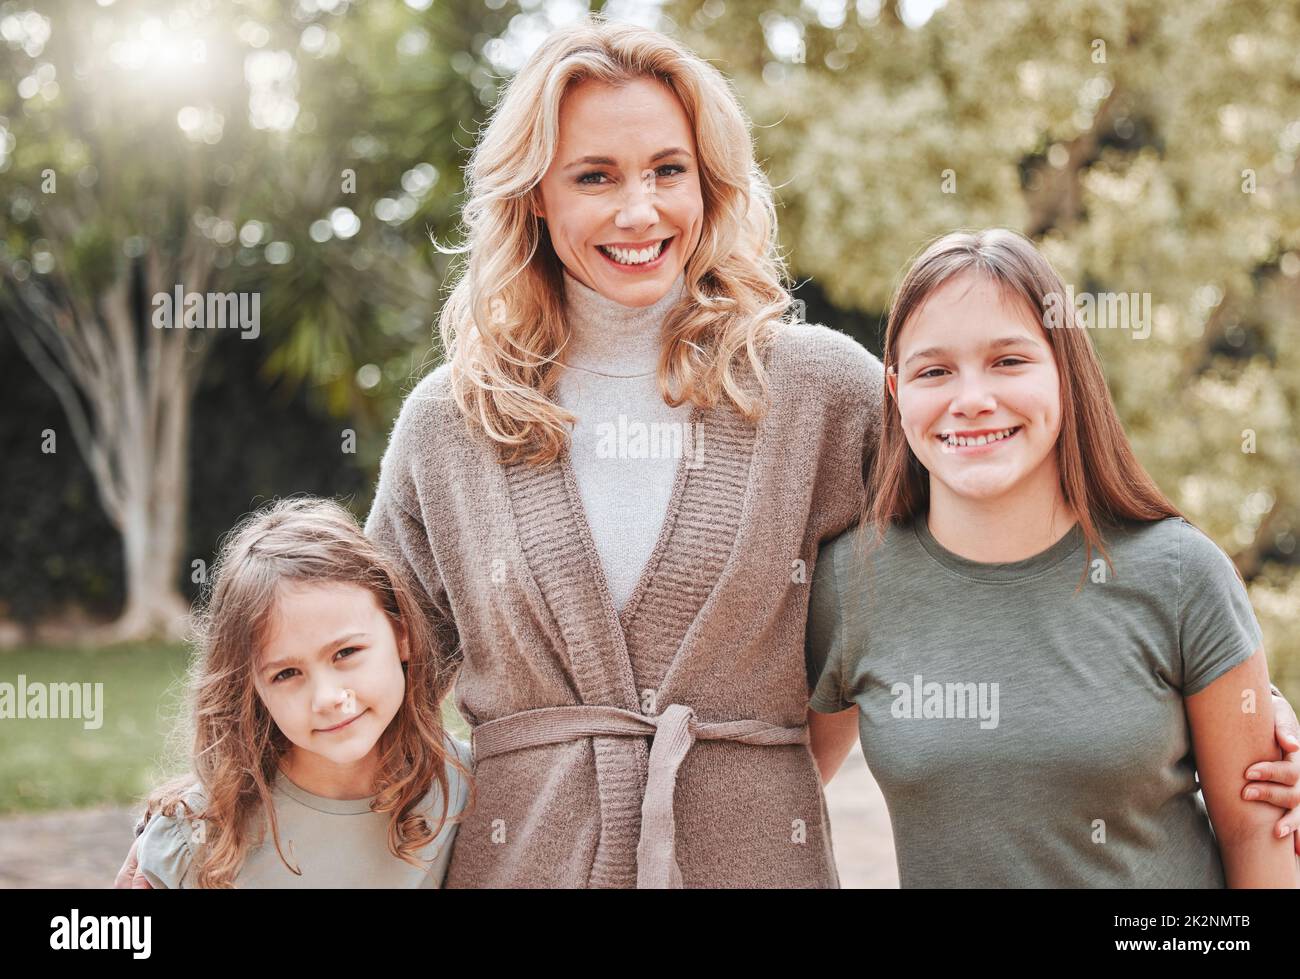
column 459, row 788
column 1217, row 628
column 825, row 639
column 460, row 783
column 164, row 851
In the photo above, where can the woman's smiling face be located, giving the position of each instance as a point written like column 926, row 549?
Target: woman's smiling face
column 978, row 391
column 624, row 175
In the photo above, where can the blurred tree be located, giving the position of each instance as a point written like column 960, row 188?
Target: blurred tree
column 224, row 150
column 1148, row 148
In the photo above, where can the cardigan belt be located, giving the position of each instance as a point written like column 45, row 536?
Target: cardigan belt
column 672, row 732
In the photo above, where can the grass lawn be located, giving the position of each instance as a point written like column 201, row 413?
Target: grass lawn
column 59, row 764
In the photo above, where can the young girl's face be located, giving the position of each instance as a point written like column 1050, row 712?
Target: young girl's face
column 973, row 364
column 330, row 672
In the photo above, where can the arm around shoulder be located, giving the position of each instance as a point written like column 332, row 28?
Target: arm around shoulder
column 164, row 851
column 396, row 519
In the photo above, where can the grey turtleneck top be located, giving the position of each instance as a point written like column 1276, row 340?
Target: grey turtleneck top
column 611, row 363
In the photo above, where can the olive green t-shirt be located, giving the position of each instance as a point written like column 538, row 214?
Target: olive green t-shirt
column 1023, row 734
column 336, row 843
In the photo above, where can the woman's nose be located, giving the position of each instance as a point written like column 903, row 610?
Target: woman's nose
column 639, row 202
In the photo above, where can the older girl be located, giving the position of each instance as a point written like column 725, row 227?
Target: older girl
column 1046, row 659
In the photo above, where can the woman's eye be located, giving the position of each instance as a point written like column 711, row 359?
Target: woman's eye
column 673, row 170
column 348, row 649
column 1012, row 361
column 283, row 674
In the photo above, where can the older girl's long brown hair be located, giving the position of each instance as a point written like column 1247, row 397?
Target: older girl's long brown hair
column 1101, row 478
column 236, row 746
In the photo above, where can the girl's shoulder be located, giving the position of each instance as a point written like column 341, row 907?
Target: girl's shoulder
column 860, row 547
column 166, row 847
column 1172, row 546
column 459, row 781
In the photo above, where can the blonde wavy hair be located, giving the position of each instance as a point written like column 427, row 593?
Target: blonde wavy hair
column 234, row 745
column 503, row 323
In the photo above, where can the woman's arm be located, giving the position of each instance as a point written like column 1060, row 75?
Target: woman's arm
column 831, row 738
column 131, row 876
column 1278, row 782
column 1232, row 725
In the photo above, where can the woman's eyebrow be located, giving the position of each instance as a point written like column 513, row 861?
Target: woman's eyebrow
column 605, row 161
column 997, row 344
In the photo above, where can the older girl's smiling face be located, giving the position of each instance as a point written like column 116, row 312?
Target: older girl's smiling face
column 622, row 197
column 978, row 392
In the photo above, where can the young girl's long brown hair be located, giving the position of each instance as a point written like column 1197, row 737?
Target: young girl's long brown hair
column 1101, row 478
column 235, row 745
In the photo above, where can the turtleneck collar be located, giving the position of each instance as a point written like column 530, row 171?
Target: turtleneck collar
column 610, row 338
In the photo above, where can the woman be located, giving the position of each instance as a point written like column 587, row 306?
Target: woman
column 630, row 609
column 625, row 621
column 1083, row 653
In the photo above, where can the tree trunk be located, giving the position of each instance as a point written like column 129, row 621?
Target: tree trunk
column 154, row 605
column 127, row 390
column 153, row 529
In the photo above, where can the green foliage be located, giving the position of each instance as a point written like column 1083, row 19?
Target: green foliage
column 1150, row 148
column 1131, row 171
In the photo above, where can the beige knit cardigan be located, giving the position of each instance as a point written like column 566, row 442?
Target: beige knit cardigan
column 665, row 746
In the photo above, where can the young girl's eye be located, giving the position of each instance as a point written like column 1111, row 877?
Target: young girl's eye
column 930, row 372
column 1011, row 361
column 283, row 674
column 348, row 649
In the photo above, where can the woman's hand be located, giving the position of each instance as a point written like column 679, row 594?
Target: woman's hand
column 1278, row 782
column 130, row 875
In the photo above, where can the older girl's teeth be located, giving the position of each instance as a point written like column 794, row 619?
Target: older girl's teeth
column 625, row 257
column 962, row 441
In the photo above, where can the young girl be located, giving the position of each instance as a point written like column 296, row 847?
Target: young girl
column 1045, row 655
column 316, row 715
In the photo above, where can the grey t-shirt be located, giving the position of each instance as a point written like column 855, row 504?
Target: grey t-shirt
column 336, row 843
column 1024, row 735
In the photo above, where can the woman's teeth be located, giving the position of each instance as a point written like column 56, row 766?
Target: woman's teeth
column 959, row 441
column 625, row 257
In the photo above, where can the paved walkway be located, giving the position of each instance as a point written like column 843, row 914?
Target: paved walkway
column 85, row 847
column 72, row 848
column 860, row 832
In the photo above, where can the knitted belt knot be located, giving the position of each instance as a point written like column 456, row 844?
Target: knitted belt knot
column 673, row 732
